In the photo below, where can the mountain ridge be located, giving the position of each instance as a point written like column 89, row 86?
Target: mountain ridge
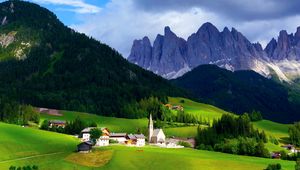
column 240, row 92
column 67, row 70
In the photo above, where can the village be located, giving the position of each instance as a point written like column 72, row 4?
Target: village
column 156, row 137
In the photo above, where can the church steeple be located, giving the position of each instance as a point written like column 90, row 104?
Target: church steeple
column 150, row 127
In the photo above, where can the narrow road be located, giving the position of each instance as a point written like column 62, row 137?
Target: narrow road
column 30, row 157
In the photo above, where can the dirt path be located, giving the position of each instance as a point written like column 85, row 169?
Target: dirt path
column 30, row 157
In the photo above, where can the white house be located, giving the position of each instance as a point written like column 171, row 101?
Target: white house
column 102, row 141
column 140, row 140
column 155, row 135
column 120, row 137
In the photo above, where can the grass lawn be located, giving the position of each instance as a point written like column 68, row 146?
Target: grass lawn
column 189, row 131
column 206, row 111
column 272, row 128
column 27, row 146
column 97, row 158
column 158, row 158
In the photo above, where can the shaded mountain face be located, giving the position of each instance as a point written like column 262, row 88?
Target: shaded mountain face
column 171, row 56
column 47, row 64
column 240, row 92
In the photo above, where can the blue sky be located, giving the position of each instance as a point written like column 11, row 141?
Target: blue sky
column 119, row 22
column 68, row 12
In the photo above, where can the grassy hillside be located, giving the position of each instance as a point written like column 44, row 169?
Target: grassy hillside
column 153, row 158
column 114, row 124
column 272, row 128
column 23, row 146
column 204, row 110
column 18, row 143
column 207, row 112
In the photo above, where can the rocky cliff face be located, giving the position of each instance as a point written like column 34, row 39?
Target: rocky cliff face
column 171, row 56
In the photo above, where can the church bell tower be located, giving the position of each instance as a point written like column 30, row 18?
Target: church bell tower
column 150, row 126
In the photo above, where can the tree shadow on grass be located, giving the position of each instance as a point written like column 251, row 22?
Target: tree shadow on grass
column 284, row 140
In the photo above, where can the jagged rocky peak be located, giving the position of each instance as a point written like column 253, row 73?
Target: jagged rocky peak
column 297, row 34
column 141, row 52
column 172, row 56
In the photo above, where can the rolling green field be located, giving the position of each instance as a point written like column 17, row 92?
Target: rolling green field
column 26, row 146
column 272, row 128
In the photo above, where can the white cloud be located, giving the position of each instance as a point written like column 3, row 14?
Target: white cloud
column 78, row 6
column 120, row 22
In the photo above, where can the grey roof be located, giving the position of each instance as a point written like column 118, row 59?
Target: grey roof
column 131, row 136
column 156, row 131
column 117, row 135
column 57, row 121
column 139, row 136
column 88, row 129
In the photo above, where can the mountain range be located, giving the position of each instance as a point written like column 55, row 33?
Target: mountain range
column 171, row 56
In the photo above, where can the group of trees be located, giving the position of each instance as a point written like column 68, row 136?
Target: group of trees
column 294, row 134
column 233, row 135
column 255, row 116
column 15, row 113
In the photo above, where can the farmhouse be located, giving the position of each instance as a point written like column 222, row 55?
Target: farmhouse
column 155, row 135
column 57, row 123
column 84, row 147
column 291, row 148
column 102, row 141
column 135, row 139
column 171, row 107
column 120, row 137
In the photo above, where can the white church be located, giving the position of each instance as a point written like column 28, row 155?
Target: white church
column 156, row 136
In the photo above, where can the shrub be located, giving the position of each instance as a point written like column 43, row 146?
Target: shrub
column 274, row 167
column 185, row 144
column 113, row 141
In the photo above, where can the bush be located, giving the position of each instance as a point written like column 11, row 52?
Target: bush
column 34, row 167
column 274, row 167
column 255, row 116
column 111, row 141
column 297, row 166
column 185, row 144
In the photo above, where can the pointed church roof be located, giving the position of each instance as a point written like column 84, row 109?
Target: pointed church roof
column 150, row 120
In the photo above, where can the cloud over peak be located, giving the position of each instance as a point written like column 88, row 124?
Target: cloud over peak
column 77, row 6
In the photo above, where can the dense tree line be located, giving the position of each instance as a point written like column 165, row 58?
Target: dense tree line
column 15, row 113
column 234, row 135
column 294, row 134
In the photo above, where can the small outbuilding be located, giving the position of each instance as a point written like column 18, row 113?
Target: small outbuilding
column 84, row 147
